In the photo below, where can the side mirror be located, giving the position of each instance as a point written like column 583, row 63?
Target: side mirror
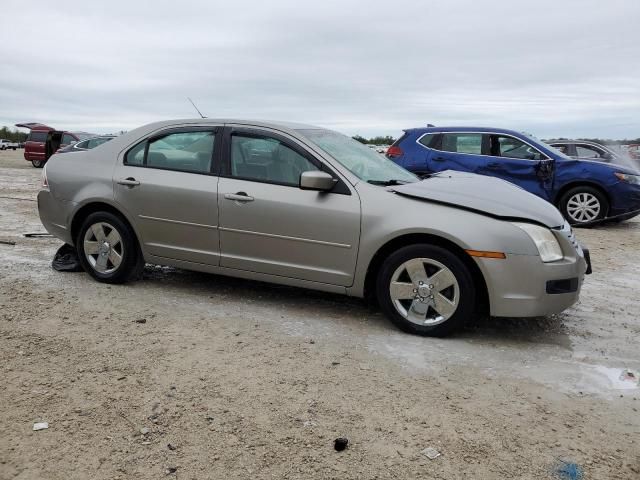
column 317, row 180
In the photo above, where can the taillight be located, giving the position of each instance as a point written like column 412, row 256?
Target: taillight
column 45, row 182
column 394, row 151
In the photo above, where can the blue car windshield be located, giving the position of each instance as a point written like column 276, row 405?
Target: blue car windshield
column 359, row 159
column 540, row 144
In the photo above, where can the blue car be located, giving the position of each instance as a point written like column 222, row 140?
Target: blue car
column 586, row 192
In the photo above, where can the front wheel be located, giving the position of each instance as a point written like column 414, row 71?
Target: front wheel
column 583, row 204
column 426, row 290
column 37, row 163
column 108, row 249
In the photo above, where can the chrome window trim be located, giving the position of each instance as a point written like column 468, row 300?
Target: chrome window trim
column 546, row 157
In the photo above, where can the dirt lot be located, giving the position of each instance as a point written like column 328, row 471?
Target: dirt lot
column 238, row 379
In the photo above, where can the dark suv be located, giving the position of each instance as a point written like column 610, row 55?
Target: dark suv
column 43, row 141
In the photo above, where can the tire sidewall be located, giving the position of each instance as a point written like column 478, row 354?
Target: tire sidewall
column 130, row 259
column 604, row 204
column 466, row 306
column 37, row 163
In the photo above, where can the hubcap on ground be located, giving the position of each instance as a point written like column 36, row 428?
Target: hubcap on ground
column 103, row 247
column 583, row 207
column 424, row 291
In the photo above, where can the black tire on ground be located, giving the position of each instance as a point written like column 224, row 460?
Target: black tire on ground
column 37, row 163
column 467, row 291
column 132, row 262
column 583, row 189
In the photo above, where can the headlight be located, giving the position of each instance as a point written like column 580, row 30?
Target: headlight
column 545, row 241
column 627, row 177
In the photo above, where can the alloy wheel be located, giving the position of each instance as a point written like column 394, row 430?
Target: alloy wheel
column 103, row 247
column 424, row 291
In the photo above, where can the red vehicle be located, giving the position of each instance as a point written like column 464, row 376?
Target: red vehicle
column 634, row 151
column 43, row 141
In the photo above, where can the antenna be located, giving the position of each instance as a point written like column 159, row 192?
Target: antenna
column 194, row 106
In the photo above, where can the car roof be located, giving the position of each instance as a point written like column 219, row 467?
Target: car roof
column 462, row 129
column 257, row 123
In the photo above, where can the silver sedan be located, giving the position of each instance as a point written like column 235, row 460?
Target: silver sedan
column 308, row 207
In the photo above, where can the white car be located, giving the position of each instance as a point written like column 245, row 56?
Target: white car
column 6, row 145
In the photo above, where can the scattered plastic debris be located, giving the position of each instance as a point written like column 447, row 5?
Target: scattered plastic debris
column 171, row 447
column 431, row 453
column 171, row 470
column 141, row 320
column 144, row 430
column 7, row 242
column 340, row 444
column 40, row 426
column 630, row 376
column 66, row 259
column 37, row 235
column 568, row 471
column 309, row 423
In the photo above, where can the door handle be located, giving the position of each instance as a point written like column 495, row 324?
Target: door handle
column 129, row 182
column 238, row 197
column 439, row 159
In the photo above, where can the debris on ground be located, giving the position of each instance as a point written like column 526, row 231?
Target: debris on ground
column 141, row 320
column 340, row 444
column 171, row 470
column 7, row 242
column 144, row 430
column 40, row 426
column 431, row 453
column 171, row 447
column 630, row 376
column 66, row 259
column 565, row 470
column 37, row 235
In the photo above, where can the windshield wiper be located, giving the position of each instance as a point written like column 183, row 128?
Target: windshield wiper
column 388, row 183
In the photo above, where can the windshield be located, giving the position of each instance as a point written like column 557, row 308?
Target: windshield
column 359, row 159
column 547, row 146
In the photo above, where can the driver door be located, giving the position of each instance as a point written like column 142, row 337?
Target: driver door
column 269, row 225
column 522, row 164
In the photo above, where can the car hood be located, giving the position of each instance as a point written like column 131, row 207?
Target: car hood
column 485, row 195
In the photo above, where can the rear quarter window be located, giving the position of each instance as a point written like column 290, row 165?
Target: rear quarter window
column 37, row 137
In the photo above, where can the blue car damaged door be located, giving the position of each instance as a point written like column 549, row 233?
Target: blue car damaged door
column 521, row 163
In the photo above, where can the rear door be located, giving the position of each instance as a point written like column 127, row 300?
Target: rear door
column 168, row 187
column 269, row 225
column 462, row 151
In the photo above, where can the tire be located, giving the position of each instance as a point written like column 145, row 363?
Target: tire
column 37, row 163
column 437, row 311
column 583, row 204
column 117, row 261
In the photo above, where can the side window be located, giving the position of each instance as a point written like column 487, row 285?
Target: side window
column 37, row 137
column 83, row 144
column 510, row 147
column 266, row 159
column 68, row 139
column 185, row 151
column 188, row 151
column 135, row 156
column 561, row 148
column 462, row 143
column 428, row 140
column 585, row 151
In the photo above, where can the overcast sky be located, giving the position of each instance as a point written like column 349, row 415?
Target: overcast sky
column 552, row 68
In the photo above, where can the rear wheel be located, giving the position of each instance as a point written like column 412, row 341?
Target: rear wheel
column 426, row 290
column 108, row 249
column 583, row 204
column 37, row 163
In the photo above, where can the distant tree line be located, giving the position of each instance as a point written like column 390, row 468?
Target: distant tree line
column 387, row 140
column 13, row 135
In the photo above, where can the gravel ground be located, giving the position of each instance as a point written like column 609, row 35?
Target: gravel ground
column 195, row 376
